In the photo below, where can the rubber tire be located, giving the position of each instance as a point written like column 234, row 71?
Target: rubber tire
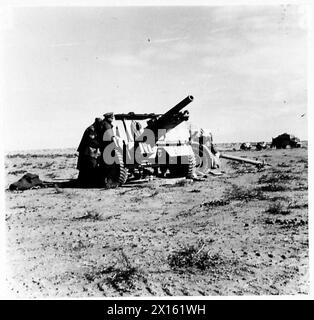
column 117, row 174
column 184, row 170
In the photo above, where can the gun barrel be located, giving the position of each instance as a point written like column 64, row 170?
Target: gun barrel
column 240, row 159
column 169, row 120
column 136, row 116
column 178, row 106
column 172, row 117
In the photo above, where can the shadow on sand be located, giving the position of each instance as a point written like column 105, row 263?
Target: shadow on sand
column 32, row 181
column 75, row 183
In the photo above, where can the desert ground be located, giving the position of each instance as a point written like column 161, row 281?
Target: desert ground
column 242, row 233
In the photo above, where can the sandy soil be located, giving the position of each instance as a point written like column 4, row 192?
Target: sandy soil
column 242, row 233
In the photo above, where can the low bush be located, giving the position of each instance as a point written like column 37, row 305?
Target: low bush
column 193, row 257
column 243, row 194
column 273, row 187
column 278, row 208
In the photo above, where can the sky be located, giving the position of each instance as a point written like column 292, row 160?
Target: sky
column 246, row 67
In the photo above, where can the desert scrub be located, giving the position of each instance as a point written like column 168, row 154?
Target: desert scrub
column 241, row 167
column 274, row 187
column 181, row 183
column 122, row 278
column 302, row 160
column 276, row 177
column 278, row 208
column 287, row 223
column 154, row 194
column 50, row 155
column 45, row 165
column 283, row 165
column 51, row 175
column 137, row 199
column 15, row 172
column 277, row 181
column 215, row 203
column 24, row 164
column 238, row 193
column 193, row 257
column 295, row 205
column 91, row 215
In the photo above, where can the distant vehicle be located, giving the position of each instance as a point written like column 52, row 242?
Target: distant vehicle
column 286, row 140
column 245, row 146
column 261, row 146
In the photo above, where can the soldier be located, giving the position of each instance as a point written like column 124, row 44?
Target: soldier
column 215, row 163
column 207, row 140
column 107, row 134
column 89, row 152
column 107, row 127
column 106, row 138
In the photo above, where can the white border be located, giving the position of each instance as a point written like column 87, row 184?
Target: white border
column 20, row 3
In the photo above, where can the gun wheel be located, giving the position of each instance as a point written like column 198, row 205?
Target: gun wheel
column 191, row 168
column 184, row 170
column 116, row 174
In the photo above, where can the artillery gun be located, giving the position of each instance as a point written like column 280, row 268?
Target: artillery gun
column 206, row 160
column 140, row 145
column 207, row 156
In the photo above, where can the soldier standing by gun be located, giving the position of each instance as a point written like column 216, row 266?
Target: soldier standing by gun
column 107, row 130
column 106, row 138
column 89, row 152
column 205, row 139
column 208, row 141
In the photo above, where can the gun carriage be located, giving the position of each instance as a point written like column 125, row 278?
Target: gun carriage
column 140, row 145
